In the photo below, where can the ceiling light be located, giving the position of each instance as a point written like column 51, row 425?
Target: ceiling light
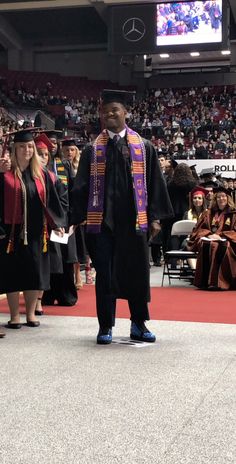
column 226, row 52
column 164, row 55
column 195, row 54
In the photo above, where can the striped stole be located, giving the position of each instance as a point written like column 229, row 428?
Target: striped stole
column 97, row 180
column 61, row 171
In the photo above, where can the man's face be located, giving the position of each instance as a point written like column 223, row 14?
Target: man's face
column 113, row 115
column 162, row 162
column 210, row 193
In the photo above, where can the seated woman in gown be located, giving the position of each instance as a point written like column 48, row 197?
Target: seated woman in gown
column 214, row 237
column 197, row 203
column 197, row 206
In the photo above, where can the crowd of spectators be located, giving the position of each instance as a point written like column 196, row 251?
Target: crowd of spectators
column 190, row 123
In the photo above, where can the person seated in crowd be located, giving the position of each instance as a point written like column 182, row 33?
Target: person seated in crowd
column 197, row 203
column 197, row 206
column 214, row 238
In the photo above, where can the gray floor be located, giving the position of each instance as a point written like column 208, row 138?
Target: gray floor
column 65, row 399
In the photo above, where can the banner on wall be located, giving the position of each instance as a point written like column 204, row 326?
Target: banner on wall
column 225, row 167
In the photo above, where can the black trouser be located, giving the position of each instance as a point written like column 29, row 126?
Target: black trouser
column 101, row 249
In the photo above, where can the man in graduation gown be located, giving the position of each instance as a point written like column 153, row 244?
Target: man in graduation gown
column 120, row 194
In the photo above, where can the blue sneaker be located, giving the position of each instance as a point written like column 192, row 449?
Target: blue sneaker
column 141, row 333
column 104, row 336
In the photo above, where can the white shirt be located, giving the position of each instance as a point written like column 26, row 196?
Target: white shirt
column 112, row 134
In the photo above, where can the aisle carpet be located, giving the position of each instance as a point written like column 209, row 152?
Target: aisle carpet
column 168, row 303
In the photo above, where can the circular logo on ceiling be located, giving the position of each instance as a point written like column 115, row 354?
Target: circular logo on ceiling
column 133, row 29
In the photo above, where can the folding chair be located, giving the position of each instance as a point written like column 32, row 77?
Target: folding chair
column 182, row 271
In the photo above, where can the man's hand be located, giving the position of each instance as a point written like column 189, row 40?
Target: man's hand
column 5, row 163
column 154, row 228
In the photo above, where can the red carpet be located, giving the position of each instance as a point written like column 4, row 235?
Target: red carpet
column 169, row 303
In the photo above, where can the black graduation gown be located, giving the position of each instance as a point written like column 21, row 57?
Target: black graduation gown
column 27, row 267
column 56, row 264
column 130, row 273
column 68, row 251
column 179, row 197
column 62, row 286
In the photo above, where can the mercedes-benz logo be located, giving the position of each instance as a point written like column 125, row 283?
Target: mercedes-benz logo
column 133, row 29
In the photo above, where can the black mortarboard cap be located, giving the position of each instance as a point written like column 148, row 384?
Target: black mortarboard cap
column 208, row 172
column 229, row 178
column 24, row 135
column 220, row 188
column 124, row 97
column 53, row 133
column 69, row 142
column 209, row 184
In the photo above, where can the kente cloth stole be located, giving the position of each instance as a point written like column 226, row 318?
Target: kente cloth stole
column 61, row 171
column 97, row 180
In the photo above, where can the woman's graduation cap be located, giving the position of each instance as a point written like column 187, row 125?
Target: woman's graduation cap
column 42, row 141
column 199, row 190
column 21, row 135
column 24, row 135
column 69, row 142
column 222, row 189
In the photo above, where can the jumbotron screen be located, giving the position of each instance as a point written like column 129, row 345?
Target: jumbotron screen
column 169, row 26
column 185, row 22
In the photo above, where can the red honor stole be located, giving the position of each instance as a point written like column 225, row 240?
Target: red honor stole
column 14, row 208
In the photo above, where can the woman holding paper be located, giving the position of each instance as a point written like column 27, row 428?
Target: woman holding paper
column 29, row 204
column 44, row 145
column 214, row 237
column 62, row 288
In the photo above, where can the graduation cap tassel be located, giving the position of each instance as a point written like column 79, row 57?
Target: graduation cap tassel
column 45, row 244
column 25, row 239
column 10, row 246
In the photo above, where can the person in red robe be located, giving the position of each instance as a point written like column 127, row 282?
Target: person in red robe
column 214, row 238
